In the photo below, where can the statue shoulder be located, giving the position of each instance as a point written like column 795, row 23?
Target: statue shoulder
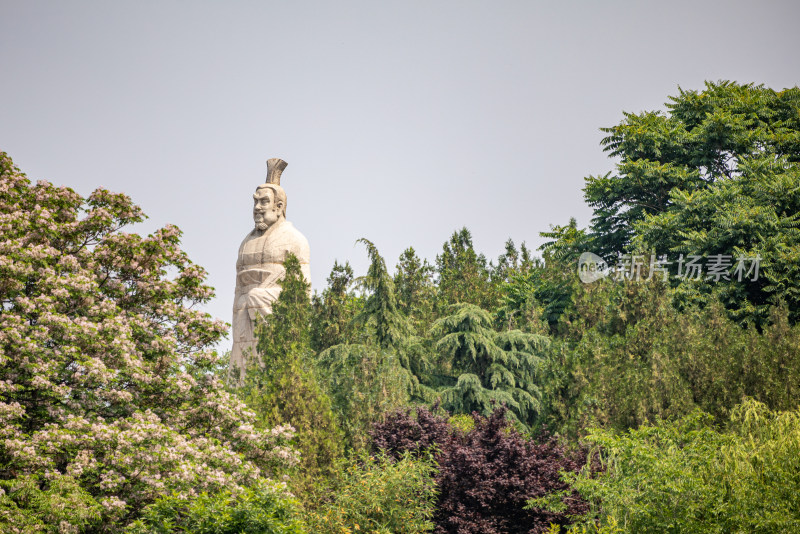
column 295, row 242
column 252, row 234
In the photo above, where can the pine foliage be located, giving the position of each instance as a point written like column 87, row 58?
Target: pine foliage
column 333, row 311
column 283, row 387
column 381, row 311
column 463, row 275
column 489, row 369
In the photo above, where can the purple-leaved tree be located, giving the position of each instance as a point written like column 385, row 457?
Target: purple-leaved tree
column 488, row 474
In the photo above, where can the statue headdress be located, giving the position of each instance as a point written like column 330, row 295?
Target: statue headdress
column 275, row 167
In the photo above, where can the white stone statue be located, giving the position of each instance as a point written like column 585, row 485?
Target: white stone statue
column 259, row 266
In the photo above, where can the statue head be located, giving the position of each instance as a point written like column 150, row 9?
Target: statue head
column 270, row 198
column 269, row 205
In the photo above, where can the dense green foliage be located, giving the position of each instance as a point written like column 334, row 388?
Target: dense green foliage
column 718, row 173
column 705, row 138
column 333, row 311
column 261, row 509
column 463, row 275
column 413, row 281
column 687, row 476
column 27, row 505
column 370, row 375
column 364, row 383
column 630, row 357
column 489, row 368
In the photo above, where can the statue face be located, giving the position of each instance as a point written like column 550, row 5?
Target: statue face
column 266, row 211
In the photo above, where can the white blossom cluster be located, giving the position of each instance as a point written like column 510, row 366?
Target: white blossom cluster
column 106, row 382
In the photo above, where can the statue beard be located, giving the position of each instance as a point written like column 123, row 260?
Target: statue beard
column 264, row 223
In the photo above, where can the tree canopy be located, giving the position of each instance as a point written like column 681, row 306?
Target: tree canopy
column 703, row 138
column 717, row 176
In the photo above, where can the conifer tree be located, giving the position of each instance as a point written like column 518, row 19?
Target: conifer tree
column 283, row 386
column 486, row 368
column 285, row 333
column 507, row 263
column 463, row 276
column 413, row 281
column 333, row 311
column 526, row 259
column 367, row 379
column 381, row 311
column 364, row 383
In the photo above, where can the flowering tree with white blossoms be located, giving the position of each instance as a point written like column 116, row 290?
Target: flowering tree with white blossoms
column 108, row 396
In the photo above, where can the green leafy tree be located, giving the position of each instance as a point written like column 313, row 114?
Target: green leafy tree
column 535, row 300
column 534, row 296
column 716, row 174
column 753, row 214
column 568, row 243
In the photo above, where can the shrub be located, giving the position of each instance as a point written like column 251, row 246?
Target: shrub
column 611, row 527
column 686, row 476
column 62, row 506
column 263, row 509
column 404, row 431
column 379, row 494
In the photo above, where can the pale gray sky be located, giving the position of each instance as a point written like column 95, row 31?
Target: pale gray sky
column 401, row 121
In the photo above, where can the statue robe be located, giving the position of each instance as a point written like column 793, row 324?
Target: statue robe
column 259, row 267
